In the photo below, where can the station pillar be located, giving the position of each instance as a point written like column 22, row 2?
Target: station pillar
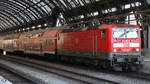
column 144, row 36
column 148, row 33
column 146, row 41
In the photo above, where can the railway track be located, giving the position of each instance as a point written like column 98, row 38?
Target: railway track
column 138, row 75
column 13, row 77
column 83, row 78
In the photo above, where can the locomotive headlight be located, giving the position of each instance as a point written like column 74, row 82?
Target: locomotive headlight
column 115, row 50
column 117, row 45
column 137, row 50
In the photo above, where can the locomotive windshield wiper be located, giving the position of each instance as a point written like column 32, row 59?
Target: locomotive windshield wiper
column 124, row 34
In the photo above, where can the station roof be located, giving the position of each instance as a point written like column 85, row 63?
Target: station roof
column 22, row 14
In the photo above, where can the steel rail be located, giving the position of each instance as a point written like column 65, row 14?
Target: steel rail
column 13, row 77
column 44, row 66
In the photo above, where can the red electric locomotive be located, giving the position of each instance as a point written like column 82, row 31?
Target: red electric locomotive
column 115, row 46
column 109, row 45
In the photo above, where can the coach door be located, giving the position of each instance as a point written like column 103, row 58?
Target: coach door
column 95, row 38
column 99, row 41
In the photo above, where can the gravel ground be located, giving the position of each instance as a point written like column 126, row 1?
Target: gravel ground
column 112, row 77
column 52, row 79
column 44, row 76
column 116, row 78
column 4, row 81
column 146, row 63
column 146, row 67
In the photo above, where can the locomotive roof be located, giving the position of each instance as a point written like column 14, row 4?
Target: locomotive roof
column 107, row 26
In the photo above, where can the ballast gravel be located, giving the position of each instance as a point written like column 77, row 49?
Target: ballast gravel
column 107, row 76
column 50, row 78
column 44, row 77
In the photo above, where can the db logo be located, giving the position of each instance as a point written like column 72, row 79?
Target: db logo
column 126, row 44
column 126, row 50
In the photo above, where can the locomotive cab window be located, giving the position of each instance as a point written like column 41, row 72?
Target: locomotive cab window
column 125, row 33
column 103, row 34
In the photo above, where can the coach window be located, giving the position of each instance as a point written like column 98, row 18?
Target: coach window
column 103, row 34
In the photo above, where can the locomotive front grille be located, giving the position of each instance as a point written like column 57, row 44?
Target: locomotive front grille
column 124, row 57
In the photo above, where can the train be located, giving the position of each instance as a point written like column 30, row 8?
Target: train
column 107, row 46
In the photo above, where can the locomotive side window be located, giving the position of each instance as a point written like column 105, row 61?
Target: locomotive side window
column 103, row 34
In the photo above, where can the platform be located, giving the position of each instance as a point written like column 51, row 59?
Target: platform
column 4, row 81
column 146, row 54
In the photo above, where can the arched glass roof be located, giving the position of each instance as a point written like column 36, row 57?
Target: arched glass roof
column 16, row 14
